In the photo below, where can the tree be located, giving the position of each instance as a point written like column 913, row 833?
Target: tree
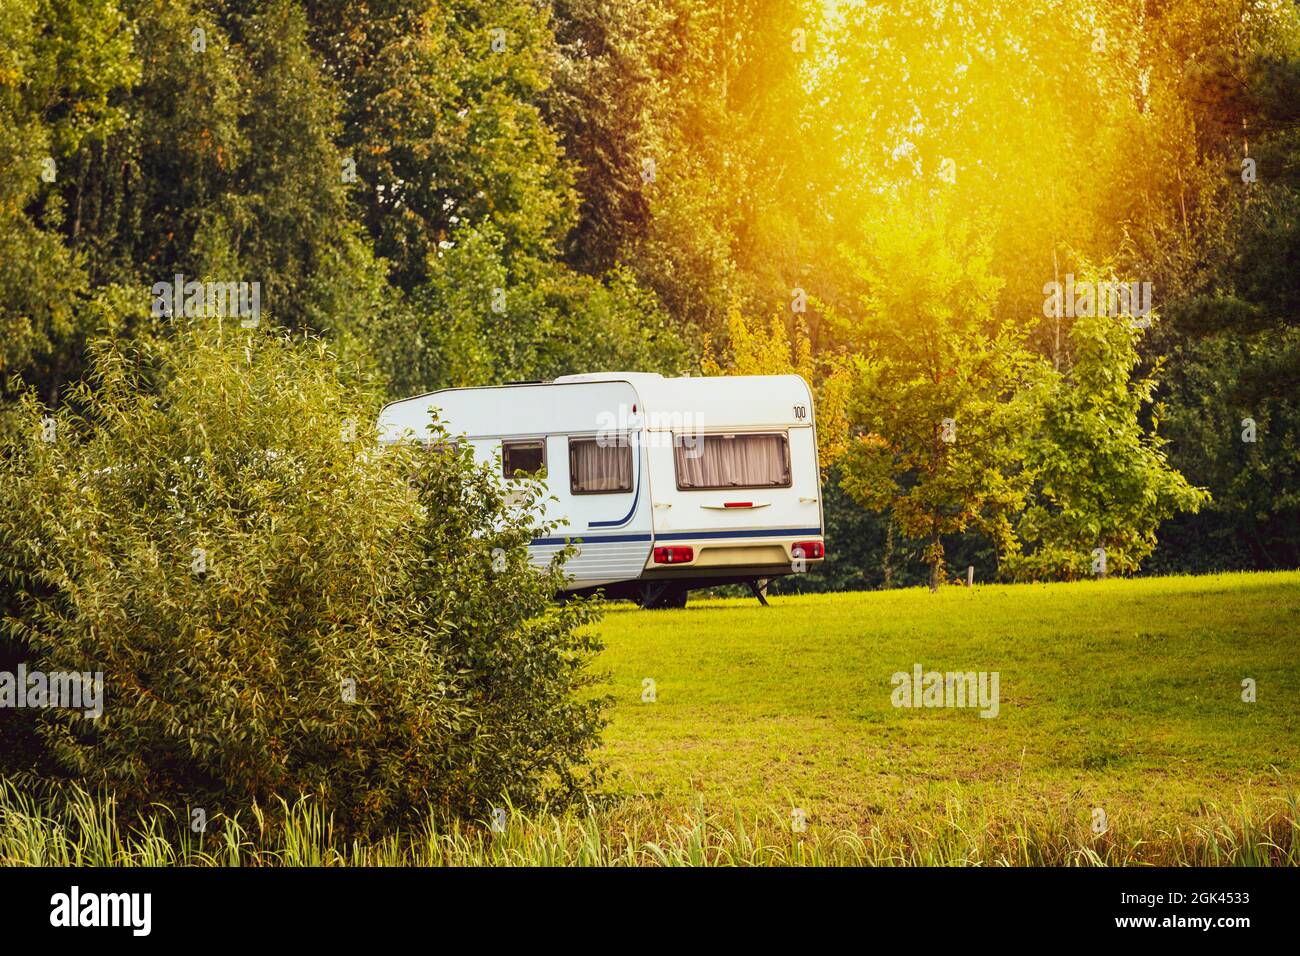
column 61, row 66
column 1229, row 425
column 441, row 115
column 1103, row 483
column 943, row 391
column 606, row 105
column 1233, row 336
column 699, row 158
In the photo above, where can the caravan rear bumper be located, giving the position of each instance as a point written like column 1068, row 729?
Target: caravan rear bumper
column 736, row 554
column 615, row 563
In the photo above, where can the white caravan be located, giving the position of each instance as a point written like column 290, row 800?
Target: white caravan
column 664, row 484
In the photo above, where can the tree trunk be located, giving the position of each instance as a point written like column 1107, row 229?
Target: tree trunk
column 935, row 563
column 889, row 553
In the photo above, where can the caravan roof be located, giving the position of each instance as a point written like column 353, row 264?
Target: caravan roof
column 734, row 401
column 723, row 400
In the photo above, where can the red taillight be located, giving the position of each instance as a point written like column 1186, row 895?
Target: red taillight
column 808, row 549
column 674, row 555
column 738, row 504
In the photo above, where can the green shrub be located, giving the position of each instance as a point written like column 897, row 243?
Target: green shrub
column 279, row 607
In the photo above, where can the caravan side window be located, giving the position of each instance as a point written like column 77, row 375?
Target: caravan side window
column 715, row 462
column 600, row 466
column 519, row 458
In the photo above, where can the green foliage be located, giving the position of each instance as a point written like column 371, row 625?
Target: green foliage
column 943, row 392
column 603, row 104
column 1232, row 341
column 483, row 318
column 865, row 551
column 445, row 130
column 235, row 173
column 376, row 171
column 627, row 173
column 59, row 63
column 1102, row 475
column 278, row 606
column 1224, row 392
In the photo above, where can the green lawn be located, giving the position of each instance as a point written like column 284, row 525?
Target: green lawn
column 1123, row 694
column 1118, row 696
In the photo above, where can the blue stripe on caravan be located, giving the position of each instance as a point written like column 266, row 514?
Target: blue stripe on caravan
column 593, row 539
column 636, row 497
column 680, row 536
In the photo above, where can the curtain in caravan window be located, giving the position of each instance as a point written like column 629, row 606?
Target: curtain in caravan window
column 732, row 461
column 597, row 466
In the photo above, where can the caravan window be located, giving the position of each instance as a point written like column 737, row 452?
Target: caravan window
column 520, row 458
column 600, row 466
column 712, row 462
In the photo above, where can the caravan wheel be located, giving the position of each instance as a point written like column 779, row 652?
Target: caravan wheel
column 665, row 596
column 675, row 596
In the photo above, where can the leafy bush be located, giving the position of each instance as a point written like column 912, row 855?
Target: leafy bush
column 279, row 607
column 1103, row 482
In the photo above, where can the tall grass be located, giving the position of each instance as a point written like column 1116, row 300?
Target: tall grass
column 87, row 831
